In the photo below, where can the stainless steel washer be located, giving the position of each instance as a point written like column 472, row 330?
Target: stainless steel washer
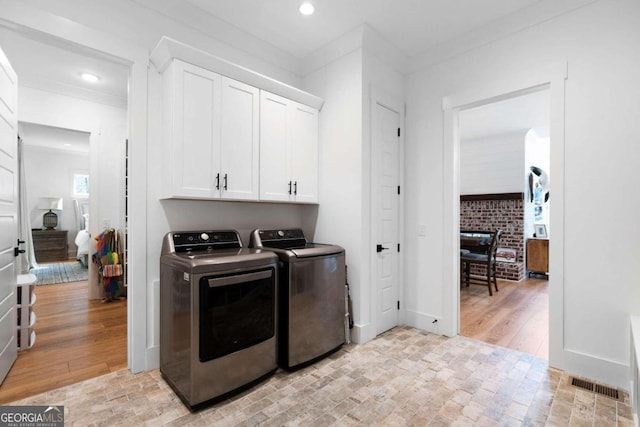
column 311, row 296
column 218, row 321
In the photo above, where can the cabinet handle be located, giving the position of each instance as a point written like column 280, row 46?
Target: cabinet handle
column 217, row 181
column 289, row 187
column 295, row 188
column 225, row 181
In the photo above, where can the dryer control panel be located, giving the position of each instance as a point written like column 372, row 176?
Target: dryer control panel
column 194, row 241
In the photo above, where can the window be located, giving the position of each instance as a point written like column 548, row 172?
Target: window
column 80, row 185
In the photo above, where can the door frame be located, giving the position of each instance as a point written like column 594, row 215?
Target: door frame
column 379, row 97
column 141, row 355
column 552, row 77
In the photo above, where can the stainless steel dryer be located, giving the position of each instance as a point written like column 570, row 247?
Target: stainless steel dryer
column 218, row 317
column 311, row 296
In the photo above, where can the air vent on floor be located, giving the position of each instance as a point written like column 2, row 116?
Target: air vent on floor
column 596, row 388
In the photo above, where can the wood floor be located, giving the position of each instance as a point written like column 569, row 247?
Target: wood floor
column 516, row 317
column 76, row 339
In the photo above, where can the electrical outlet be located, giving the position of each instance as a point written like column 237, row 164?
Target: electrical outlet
column 422, row 230
column 106, row 223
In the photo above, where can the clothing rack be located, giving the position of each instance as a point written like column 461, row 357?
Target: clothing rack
column 109, row 259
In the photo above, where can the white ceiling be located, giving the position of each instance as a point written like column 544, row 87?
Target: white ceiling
column 512, row 115
column 57, row 69
column 52, row 138
column 413, row 26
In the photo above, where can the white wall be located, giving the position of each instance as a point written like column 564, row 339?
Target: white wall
column 344, row 215
column 340, row 165
column 492, row 164
column 107, row 127
column 49, row 173
column 599, row 42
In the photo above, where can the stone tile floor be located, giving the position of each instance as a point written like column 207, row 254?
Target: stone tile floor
column 402, row 378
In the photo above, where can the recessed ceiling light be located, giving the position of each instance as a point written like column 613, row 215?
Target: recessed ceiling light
column 66, row 144
column 91, row 78
column 306, row 8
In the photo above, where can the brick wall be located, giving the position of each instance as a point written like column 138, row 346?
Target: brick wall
column 507, row 215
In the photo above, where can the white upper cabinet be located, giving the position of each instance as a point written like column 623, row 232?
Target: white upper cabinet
column 231, row 133
column 212, row 125
column 288, row 150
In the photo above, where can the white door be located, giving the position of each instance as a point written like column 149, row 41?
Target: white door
column 239, row 127
column 303, row 153
column 8, row 213
column 275, row 182
column 385, row 201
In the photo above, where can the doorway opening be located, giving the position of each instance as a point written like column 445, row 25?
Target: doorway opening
column 504, row 185
column 54, row 100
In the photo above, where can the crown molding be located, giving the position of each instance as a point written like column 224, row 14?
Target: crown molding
column 168, row 49
column 531, row 16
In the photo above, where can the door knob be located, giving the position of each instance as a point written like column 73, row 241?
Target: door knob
column 380, row 248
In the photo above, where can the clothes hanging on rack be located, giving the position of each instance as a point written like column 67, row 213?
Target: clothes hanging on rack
column 108, row 258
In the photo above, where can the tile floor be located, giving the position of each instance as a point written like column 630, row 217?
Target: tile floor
column 402, row 378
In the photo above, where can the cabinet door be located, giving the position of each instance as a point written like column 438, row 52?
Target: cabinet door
column 275, row 178
column 239, row 164
column 538, row 255
column 303, row 149
column 194, row 146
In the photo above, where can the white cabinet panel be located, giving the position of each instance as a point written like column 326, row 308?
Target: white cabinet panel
column 304, row 153
column 240, row 140
column 274, row 154
column 288, row 150
column 192, row 127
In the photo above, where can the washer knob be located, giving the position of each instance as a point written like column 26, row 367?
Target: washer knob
column 280, row 233
column 204, row 236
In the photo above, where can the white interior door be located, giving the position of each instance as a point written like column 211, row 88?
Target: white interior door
column 385, row 201
column 8, row 213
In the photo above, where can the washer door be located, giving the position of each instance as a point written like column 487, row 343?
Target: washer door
column 236, row 312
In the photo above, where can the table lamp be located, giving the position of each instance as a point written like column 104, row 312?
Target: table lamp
column 50, row 219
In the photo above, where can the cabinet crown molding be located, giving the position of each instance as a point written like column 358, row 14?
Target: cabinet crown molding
column 168, row 49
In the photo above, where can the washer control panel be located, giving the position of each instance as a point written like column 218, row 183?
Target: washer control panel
column 206, row 240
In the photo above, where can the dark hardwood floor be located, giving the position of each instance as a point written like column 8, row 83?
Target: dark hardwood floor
column 516, row 317
column 76, row 339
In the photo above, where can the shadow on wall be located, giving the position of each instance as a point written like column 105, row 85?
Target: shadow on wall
column 191, row 215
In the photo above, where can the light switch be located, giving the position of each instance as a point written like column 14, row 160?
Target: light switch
column 422, row 230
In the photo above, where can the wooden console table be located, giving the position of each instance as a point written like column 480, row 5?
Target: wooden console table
column 50, row 245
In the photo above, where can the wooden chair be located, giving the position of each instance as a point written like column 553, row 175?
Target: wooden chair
column 486, row 258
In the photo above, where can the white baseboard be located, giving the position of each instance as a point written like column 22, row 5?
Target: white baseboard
column 360, row 334
column 600, row 370
column 424, row 322
column 153, row 358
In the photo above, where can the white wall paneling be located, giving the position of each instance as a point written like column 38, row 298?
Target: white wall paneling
column 492, row 165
